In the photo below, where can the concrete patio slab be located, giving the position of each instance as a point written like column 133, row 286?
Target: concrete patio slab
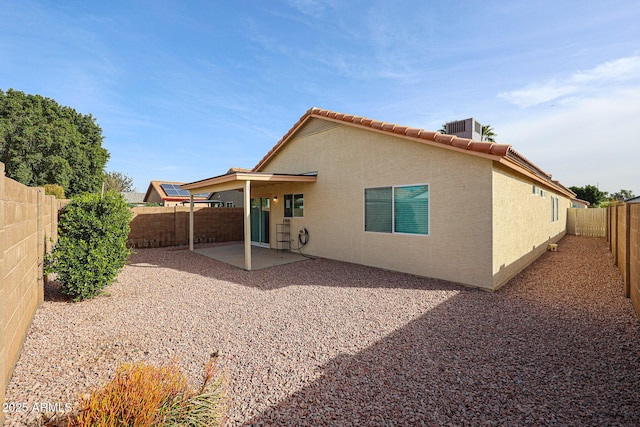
column 260, row 257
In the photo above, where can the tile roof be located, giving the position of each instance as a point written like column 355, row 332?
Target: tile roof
column 133, row 196
column 499, row 152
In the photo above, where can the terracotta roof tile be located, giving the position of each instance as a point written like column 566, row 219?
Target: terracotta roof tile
column 427, row 135
column 445, row 139
column 376, row 124
column 482, row 147
column 499, row 151
column 412, row 132
column 402, row 130
column 464, row 143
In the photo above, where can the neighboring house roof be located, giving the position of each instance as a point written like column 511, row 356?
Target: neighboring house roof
column 133, row 196
column 502, row 153
column 633, row 200
column 584, row 202
column 234, row 170
column 157, row 187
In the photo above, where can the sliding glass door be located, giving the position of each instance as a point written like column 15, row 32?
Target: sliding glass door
column 260, row 207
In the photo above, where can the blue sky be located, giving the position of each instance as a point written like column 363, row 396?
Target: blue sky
column 185, row 90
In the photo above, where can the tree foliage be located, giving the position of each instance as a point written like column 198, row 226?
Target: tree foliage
column 42, row 142
column 118, row 182
column 92, row 244
column 622, row 195
column 591, row 194
column 54, row 190
column 488, row 134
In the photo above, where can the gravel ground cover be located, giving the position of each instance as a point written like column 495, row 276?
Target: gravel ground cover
column 321, row 342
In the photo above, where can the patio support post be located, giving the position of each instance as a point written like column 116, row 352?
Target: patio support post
column 191, row 222
column 247, row 225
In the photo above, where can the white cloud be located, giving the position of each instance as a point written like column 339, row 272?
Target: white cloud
column 308, row 7
column 590, row 141
column 619, row 70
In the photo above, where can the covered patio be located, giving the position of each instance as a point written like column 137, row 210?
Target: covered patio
column 247, row 182
column 260, row 257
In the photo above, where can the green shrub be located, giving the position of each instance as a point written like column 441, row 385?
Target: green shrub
column 54, row 190
column 146, row 396
column 92, row 244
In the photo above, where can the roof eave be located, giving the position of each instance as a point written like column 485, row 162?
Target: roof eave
column 237, row 180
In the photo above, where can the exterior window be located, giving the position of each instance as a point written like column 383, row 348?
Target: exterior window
column 535, row 190
column 229, row 204
column 554, row 209
column 401, row 209
column 378, row 207
column 293, row 205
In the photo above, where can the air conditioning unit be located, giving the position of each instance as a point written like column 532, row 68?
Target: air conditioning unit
column 468, row 128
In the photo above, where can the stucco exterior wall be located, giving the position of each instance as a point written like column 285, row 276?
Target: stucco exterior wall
column 522, row 222
column 348, row 160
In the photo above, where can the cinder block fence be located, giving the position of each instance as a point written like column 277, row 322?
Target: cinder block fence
column 153, row 227
column 28, row 224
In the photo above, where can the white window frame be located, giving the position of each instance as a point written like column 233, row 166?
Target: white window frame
column 393, row 210
column 293, row 201
column 555, row 209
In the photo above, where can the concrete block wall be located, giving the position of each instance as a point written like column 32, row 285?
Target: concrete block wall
column 169, row 226
column 28, row 223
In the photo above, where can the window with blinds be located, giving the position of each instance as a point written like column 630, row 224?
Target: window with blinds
column 399, row 209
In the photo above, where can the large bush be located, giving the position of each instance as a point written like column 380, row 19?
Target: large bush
column 92, row 244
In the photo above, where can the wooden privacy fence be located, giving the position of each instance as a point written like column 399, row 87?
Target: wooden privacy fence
column 587, row 222
column 623, row 232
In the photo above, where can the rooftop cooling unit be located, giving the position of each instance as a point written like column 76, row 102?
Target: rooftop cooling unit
column 468, row 128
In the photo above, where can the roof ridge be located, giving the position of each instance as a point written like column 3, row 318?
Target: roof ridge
column 481, row 147
column 485, row 147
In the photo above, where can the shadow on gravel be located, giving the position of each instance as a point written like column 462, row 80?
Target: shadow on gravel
column 540, row 352
column 52, row 292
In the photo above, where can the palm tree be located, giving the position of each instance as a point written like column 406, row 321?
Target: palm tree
column 488, row 134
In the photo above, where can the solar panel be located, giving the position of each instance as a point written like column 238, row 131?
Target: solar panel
column 175, row 191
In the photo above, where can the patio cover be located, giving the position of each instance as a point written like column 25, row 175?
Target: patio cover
column 243, row 181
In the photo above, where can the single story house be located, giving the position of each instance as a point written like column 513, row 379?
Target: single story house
column 633, row 200
column 169, row 193
column 399, row 198
column 579, row 203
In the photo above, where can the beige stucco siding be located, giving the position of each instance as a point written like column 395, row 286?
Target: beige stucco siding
column 348, row 160
column 522, row 222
